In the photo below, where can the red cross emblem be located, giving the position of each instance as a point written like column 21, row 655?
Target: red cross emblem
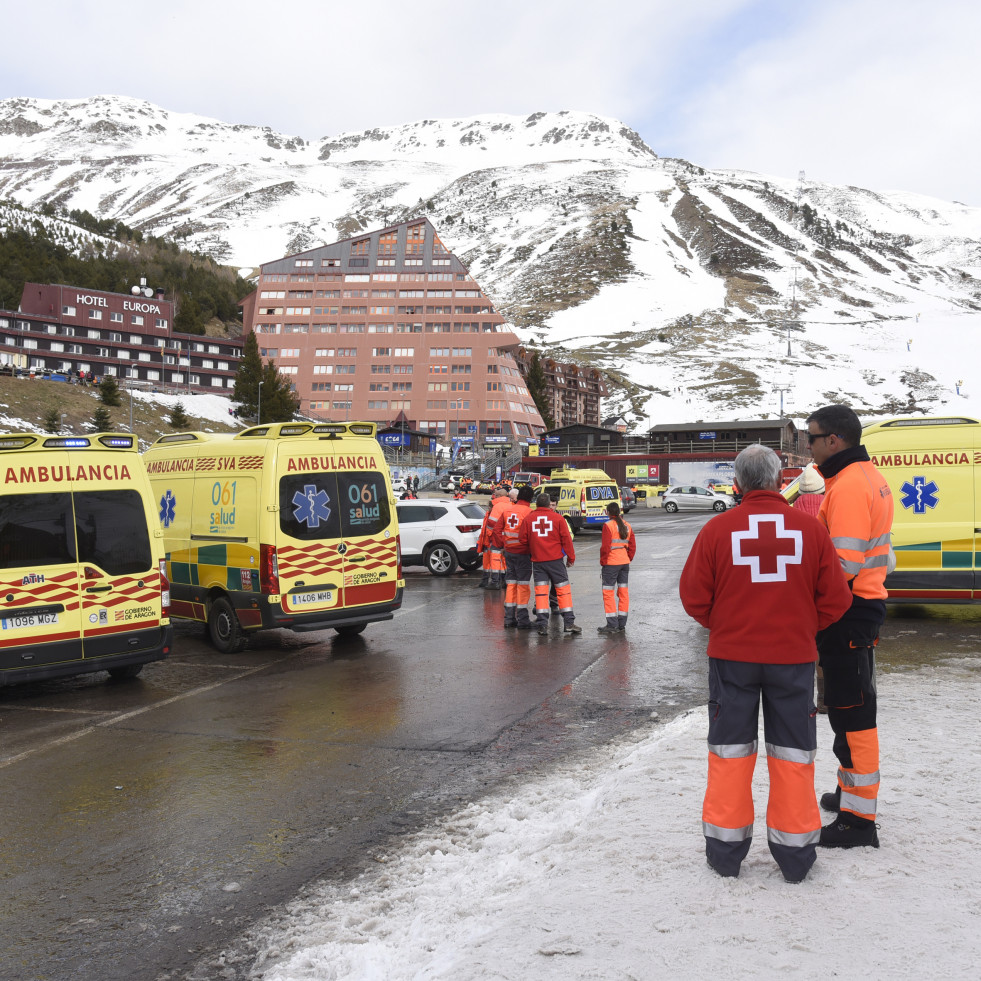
column 767, row 548
column 542, row 526
column 513, row 520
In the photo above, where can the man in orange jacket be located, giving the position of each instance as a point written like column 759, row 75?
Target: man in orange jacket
column 764, row 579
column 517, row 559
column 493, row 557
column 857, row 510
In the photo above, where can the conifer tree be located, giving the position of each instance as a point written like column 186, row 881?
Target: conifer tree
column 279, row 403
column 102, row 420
column 248, row 376
column 538, row 389
column 109, row 391
column 179, row 418
column 52, row 421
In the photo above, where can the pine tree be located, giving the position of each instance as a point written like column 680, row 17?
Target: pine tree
column 109, row 391
column 279, row 402
column 538, row 389
column 102, row 420
column 179, row 418
column 52, row 421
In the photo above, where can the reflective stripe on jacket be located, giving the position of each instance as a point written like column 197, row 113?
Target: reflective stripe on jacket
column 615, row 550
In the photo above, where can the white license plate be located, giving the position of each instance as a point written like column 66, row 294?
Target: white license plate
column 301, row 599
column 29, row 620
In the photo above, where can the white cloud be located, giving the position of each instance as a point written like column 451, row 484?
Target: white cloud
column 867, row 92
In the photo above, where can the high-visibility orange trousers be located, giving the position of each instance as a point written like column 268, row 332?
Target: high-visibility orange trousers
column 518, row 588
column 616, row 595
column 548, row 574
column 793, row 821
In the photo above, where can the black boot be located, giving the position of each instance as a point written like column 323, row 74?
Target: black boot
column 832, row 802
column 849, row 832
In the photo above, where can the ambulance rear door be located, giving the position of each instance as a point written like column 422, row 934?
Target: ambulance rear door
column 337, row 539
column 120, row 575
column 40, row 615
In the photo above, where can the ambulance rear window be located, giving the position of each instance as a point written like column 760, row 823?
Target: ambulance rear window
column 110, row 527
column 315, row 506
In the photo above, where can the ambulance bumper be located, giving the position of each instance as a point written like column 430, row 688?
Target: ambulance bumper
column 275, row 616
column 58, row 660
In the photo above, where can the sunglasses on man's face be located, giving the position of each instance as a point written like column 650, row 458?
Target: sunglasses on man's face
column 813, row 436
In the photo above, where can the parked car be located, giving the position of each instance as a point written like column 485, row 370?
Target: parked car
column 687, row 496
column 440, row 534
column 629, row 499
column 450, row 481
column 398, row 486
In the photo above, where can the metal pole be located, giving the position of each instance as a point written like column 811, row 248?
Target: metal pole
column 258, row 412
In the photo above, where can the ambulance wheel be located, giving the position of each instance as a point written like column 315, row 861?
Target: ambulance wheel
column 671, row 507
column 121, row 674
column 351, row 629
column 224, row 628
column 440, row 560
column 719, row 506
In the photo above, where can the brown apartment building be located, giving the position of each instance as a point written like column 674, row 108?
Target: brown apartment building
column 390, row 326
column 573, row 390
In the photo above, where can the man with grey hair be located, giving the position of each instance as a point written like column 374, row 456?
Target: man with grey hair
column 764, row 579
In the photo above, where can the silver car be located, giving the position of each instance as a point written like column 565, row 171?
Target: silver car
column 694, row 498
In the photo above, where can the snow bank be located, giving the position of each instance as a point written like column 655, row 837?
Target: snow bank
column 597, row 871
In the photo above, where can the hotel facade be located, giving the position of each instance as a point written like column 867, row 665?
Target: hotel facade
column 390, row 327
column 68, row 329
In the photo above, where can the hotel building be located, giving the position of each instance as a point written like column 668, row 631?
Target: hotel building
column 68, row 329
column 390, row 327
column 573, row 391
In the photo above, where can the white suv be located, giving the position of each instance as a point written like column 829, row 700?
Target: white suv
column 440, row 534
column 689, row 497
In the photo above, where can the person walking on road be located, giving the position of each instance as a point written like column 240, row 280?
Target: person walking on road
column 857, row 510
column 517, row 560
column 617, row 551
column 764, row 579
column 546, row 535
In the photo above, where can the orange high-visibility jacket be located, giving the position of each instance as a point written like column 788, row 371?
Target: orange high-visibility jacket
column 615, row 550
column 490, row 522
column 857, row 511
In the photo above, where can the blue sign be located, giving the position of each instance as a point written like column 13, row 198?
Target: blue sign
column 432, row 444
column 394, row 439
column 168, row 508
column 471, row 429
column 706, row 435
column 497, row 439
column 550, row 439
column 920, row 495
column 310, row 507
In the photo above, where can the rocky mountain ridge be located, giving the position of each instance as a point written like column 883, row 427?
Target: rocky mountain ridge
column 687, row 286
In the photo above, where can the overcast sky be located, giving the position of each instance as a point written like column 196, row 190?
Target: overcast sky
column 877, row 93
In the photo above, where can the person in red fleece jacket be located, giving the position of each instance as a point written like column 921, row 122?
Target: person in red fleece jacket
column 764, row 579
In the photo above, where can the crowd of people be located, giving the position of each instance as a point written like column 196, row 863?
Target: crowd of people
column 781, row 589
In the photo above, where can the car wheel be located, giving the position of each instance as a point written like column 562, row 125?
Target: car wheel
column 440, row 560
column 129, row 671
column 670, row 506
column 350, row 629
column 224, row 628
column 470, row 564
column 719, row 506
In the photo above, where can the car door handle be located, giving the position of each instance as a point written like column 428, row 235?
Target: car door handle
column 98, row 589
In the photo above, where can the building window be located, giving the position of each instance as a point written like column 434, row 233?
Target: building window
column 381, row 352
column 379, row 403
column 160, row 322
column 137, row 320
column 116, row 318
column 95, row 314
column 303, row 263
column 68, row 311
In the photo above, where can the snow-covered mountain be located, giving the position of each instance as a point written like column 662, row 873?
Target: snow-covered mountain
column 687, row 286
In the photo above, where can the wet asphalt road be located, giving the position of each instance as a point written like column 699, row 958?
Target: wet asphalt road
column 147, row 823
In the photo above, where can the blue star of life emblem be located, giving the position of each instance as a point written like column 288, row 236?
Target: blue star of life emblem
column 919, row 495
column 310, row 507
column 168, row 505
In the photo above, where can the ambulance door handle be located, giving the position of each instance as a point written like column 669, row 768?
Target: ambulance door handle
column 98, row 589
column 357, row 558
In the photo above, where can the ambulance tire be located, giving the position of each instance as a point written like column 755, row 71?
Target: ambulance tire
column 351, row 629
column 224, row 629
column 440, row 559
column 129, row 671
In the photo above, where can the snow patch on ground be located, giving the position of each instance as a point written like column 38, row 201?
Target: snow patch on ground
column 597, row 871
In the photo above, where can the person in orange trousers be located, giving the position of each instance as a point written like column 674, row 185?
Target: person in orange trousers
column 492, row 573
column 617, row 551
column 764, row 579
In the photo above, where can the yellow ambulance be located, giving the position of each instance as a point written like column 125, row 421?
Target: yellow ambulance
column 581, row 495
column 82, row 582
column 932, row 468
column 285, row 525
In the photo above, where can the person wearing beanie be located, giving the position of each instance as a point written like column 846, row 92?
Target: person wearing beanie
column 811, row 487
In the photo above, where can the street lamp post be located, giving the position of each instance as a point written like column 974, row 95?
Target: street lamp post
column 259, row 409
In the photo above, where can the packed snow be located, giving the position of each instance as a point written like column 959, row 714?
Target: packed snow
column 597, row 871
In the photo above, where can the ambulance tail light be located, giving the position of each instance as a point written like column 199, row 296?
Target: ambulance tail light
column 164, row 590
column 268, row 569
column 398, row 555
column 582, row 500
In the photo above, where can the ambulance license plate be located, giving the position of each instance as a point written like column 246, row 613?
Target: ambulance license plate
column 301, row 599
column 28, row 620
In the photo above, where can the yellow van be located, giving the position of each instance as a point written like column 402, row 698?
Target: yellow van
column 82, row 582
column 287, row 525
column 581, row 496
column 932, row 468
